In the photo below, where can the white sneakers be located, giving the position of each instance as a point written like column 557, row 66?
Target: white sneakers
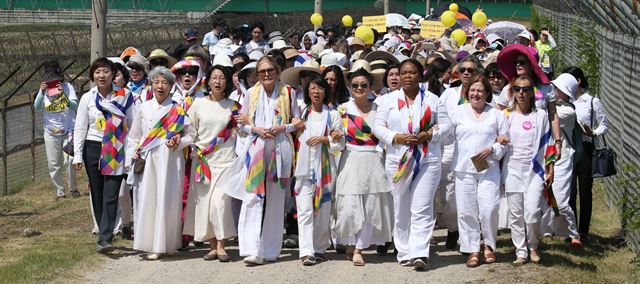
column 253, row 260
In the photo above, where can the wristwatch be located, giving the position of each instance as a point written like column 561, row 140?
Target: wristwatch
column 558, row 141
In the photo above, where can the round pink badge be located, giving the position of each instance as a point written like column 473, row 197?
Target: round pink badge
column 527, row 125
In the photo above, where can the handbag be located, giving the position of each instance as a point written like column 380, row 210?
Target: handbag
column 67, row 146
column 138, row 166
column 603, row 163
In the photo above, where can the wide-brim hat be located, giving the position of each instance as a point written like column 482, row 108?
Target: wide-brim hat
column 280, row 44
column 381, row 55
column 291, row 76
column 363, row 64
column 329, row 60
column 159, row 53
column 140, row 60
column 52, row 71
column 242, row 75
column 274, row 39
column 222, row 60
column 357, row 41
column 186, row 63
column 507, row 62
column 290, row 53
column 567, row 84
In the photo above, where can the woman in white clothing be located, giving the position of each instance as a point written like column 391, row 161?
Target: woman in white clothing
column 159, row 134
column 208, row 214
column 269, row 114
column 59, row 101
column 564, row 222
column 315, row 171
column 476, row 165
column 100, row 136
column 363, row 197
column 527, row 168
column 406, row 122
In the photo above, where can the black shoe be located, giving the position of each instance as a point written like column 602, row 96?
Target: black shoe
column 320, row 257
column 382, row 250
column 75, row 194
column 452, row 240
column 184, row 247
column 126, row 233
column 104, row 247
column 198, row 244
column 341, row 249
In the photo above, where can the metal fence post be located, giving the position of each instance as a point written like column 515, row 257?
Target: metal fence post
column 5, row 172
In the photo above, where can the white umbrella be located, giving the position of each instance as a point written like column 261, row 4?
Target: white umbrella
column 395, row 20
column 506, row 30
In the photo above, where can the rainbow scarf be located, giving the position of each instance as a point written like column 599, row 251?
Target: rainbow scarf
column 202, row 171
column 115, row 130
column 358, row 132
column 171, row 124
column 411, row 158
column 548, row 150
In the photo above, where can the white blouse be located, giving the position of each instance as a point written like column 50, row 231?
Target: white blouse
column 473, row 135
column 584, row 114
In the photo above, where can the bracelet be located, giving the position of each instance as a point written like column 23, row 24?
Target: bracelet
column 558, row 141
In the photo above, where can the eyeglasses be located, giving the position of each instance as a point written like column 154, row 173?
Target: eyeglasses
column 361, row 86
column 522, row 62
column 316, row 88
column 491, row 78
column 467, row 69
column 525, row 89
column 159, row 62
column 189, row 70
column 265, row 71
column 135, row 66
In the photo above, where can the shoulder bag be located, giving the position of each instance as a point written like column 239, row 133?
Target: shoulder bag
column 604, row 159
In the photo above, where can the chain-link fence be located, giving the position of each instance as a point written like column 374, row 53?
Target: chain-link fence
column 618, row 49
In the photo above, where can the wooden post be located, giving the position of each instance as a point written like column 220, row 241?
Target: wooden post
column 98, row 29
column 386, row 6
column 317, row 9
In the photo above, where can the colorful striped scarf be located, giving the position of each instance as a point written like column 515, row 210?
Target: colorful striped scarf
column 548, row 150
column 358, row 132
column 171, row 124
column 202, row 171
column 411, row 158
column 115, row 130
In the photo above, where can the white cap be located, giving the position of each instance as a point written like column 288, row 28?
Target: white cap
column 567, row 84
column 255, row 55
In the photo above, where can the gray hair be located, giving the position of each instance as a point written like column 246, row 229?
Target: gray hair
column 164, row 72
column 199, row 52
column 474, row 59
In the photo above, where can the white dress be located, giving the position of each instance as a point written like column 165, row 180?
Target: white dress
column 208, row 212
column 364, row 207
column 157, row 220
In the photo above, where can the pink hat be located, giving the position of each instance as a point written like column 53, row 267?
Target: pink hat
column 507, row 62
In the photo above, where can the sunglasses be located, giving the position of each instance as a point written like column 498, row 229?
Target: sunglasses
column 135, row 66
column 189, row 70
column 522, row 62
column 525, row 89
column 265, row 71
column 159, row 62
column 361, row 86
column 465, row 69
column 491, row 78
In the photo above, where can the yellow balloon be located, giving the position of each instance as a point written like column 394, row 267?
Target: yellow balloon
column 347, row 21
column 459, row 36
column 448, row 18
column 316, row 19
column 365, row 33
column 479, row 19
column 453, row 7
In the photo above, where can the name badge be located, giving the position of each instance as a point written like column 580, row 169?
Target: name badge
column 100, row 123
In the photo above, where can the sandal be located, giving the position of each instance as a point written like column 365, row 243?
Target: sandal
column 489, row 256
column 535, row 257
column 519, row 261
column 473, row 260
column 358, row 260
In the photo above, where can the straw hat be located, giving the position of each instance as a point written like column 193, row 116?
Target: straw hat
column 159, row 53
column 381, row 55
column 290, row 53
column 363, row 64
column 357, row 41
column 291, row 76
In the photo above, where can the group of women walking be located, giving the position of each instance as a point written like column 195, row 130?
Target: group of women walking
column 361, row 164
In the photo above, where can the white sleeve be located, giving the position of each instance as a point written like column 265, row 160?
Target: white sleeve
column 336, row 125
column 552, row 42
column 503, row 128
column 81, row 128
column 444, row 124
column 380, row 129
column 601, row 116
column 135, row 135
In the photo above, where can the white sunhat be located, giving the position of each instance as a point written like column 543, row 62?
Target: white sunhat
column 255, row 55
column 567, row 84
column 223, row 60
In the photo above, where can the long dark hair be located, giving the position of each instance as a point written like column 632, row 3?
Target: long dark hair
column 341, row 93
column 435, row 71
column 386, row 73
column 228, row 88
column 577, row 73
column 318, row 80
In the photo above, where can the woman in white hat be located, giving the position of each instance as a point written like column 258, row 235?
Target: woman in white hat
column 308, row 40
column 188, row 79
column 406, row 122
column 269, row 115
column 138, row 83
column 561, row 221
column 363, row 196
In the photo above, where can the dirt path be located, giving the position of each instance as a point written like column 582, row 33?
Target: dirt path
column 188, row 267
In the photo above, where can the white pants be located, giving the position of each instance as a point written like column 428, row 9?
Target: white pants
column 447, row 197
column 563, row 225
column 525, row 210
column 261, row 224
column 414, row 209
column 313, row 228
column 58, row 161
column 477, row 200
